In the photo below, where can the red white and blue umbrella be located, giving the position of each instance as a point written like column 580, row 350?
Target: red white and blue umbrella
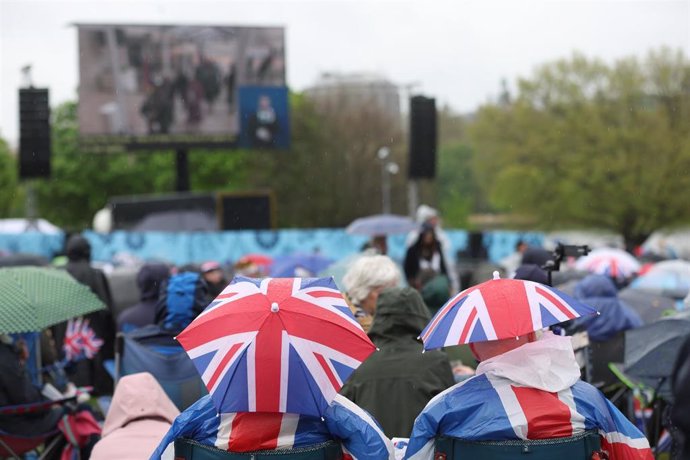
column 611, row 262
column 276, row 345
column 500, row 309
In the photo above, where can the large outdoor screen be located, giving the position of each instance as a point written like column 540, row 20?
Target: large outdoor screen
column 182, row 85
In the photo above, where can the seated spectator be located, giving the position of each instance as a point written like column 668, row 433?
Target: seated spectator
column 525, row 389
column 149, row 280
column 364, row 280
column 139, row 416
column 359, row 434
column 599, row 292
column 397, row 381
column 16, row 389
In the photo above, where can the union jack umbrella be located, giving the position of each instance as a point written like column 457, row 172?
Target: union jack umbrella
column 276, row 345
column 500, row 309
column 612, row 262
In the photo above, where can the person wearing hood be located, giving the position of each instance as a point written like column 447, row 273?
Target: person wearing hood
column 139, row 416
column 398, row 380
column 527, row 388
column 599, row 292
column 90, row 372
column 149, row 280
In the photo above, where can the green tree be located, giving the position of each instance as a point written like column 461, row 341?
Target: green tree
column 9, row 187
column 590, row 144
column 82, row 182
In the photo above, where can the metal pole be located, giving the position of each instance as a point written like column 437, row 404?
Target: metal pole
column 385, row 188
column 412, row 197
column 182, row 167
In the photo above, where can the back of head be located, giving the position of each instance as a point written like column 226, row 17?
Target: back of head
column 370, row 272
column 150, row 278
column 536, row 256
column 78, row 248
column 137, row 397
column 531, row 272
column 595, row 286
column 400, row 314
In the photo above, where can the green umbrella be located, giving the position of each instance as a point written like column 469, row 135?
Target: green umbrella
column 33, row 298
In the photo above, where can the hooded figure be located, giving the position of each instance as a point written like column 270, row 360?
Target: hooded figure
column 90, row 372
column 398, row 380
column 149, row 280
column 139, row 416
column 525, row 389
column 599, row 292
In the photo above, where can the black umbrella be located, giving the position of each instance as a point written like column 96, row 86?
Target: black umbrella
column 21, row 260
column 651, row 351
column 648, row 305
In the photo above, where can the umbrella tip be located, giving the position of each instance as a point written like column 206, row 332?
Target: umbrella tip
column 275, row 307
column 497, row 276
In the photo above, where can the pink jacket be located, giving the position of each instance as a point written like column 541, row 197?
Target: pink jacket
column 139, row 416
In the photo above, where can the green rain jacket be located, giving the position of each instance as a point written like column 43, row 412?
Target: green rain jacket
column 398, row 380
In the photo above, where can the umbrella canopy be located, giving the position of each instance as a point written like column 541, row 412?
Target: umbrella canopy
column 177, row 221
column 612, row 262
column 289, row 266
column 28, row 225
column 648, row 305
column 256, row 259
column 500, row 309
column 21, row 260
column 276, row 345
column 670, row 278
column 651, row 351
column 33, row 298
column 381, row 224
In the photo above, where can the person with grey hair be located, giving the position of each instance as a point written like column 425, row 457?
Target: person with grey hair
column 364, row 280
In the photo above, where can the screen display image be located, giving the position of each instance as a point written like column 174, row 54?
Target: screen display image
column 172, row 82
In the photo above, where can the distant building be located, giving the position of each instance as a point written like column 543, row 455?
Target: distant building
column 345, row 91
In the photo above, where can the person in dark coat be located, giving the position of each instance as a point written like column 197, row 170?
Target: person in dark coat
column 149, row 280
column 15, row 389
column 424, row 255
column 90, row 372
column 599, row 292
column 398, row 380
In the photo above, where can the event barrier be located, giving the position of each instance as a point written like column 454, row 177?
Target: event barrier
column 187, row 247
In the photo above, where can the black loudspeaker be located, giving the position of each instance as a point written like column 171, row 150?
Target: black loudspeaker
column 423, row 136
column 34, row 133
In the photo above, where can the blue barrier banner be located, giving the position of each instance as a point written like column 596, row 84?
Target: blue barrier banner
column 227, row 247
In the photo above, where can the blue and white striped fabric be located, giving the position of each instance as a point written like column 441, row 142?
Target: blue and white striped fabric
column 360, row 435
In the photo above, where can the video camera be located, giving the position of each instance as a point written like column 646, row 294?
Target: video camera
column 561, row 252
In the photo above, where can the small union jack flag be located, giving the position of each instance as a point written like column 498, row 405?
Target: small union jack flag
column 500, row 309
column 80, row 340
column 276, row 345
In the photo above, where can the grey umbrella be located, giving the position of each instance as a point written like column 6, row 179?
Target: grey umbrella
column 648, row 305
column 651, row 351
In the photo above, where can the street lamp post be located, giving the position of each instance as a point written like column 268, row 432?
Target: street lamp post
column 388, row 168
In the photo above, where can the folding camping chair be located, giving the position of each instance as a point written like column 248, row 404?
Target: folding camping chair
column 186, row 449
column 151, row 349
column 14, row 446
column 579, row 447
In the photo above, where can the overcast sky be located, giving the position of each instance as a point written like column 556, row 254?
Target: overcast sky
column 458, row 51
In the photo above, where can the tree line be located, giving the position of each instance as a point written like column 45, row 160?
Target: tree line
column 580, row 143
